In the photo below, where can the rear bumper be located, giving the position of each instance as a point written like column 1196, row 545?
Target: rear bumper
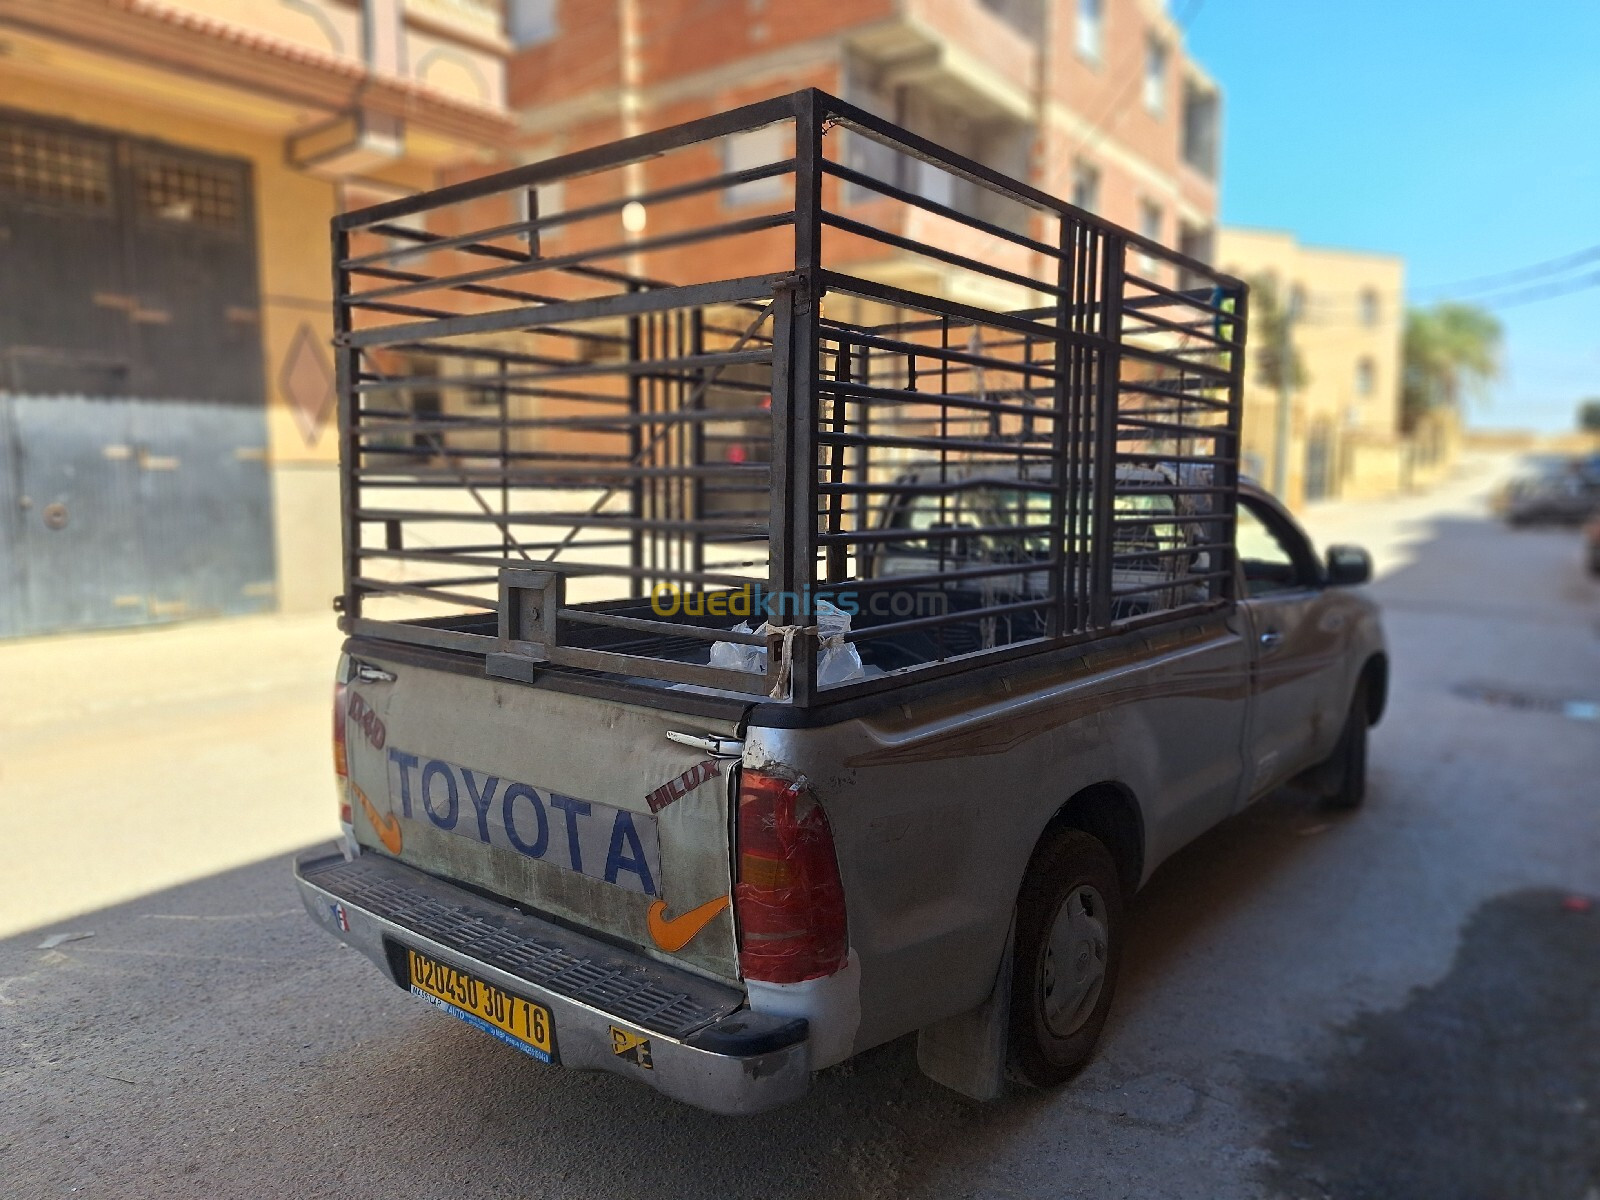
column 705, row 1048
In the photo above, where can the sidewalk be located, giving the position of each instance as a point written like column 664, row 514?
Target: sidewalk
column 69, row 677
column 134, row 760
column 1390, row 528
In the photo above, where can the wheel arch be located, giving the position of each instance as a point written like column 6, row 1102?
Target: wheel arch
column 1109, row 811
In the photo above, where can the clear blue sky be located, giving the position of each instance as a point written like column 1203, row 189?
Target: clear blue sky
column 1463, row 136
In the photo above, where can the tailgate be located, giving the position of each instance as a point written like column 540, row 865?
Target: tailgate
column 577, row 807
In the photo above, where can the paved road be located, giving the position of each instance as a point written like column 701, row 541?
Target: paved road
column 1391, row 1004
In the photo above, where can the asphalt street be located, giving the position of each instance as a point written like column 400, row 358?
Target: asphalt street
column 1395, row 1003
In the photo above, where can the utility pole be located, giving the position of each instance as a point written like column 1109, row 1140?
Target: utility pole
column 1280, row 447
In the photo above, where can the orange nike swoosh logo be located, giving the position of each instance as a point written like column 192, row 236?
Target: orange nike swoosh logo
column 674, row 934
column 386, row 825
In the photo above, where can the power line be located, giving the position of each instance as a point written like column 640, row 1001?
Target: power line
column 1330, row 311
column 1491, row 283
column 1546, row 291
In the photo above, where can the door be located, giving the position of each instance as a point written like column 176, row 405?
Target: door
column 79, row 561
column 1319, row 462
column 1282, row 599
column 133, row 474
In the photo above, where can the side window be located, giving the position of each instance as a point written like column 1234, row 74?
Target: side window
column 1267, row 562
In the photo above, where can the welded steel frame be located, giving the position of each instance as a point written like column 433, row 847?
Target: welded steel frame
column 1087, row 344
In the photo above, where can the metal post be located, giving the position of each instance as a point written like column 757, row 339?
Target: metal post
column 838, row 552
column 505, row 462
column 635, row 452
column 345, row 360
column 1228, row 468
column 1101, row 509
column 1060, row 473
column 802, row 459
column 697, row 438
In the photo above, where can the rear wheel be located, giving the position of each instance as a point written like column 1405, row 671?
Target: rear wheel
column 1345, row 770
column 1068, row 947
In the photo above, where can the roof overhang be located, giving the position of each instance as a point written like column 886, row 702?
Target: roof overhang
column 275, row 82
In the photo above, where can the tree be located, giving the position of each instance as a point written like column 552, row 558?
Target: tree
column 1269, row 327
column 1589, row 415
column 1451, row 351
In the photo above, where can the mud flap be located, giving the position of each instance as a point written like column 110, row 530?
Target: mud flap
column 967, row 1052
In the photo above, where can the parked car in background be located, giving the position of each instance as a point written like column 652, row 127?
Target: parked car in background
column 1567, row 498
column 1591, row 544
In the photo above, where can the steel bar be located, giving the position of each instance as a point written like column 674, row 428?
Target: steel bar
column 534, row 317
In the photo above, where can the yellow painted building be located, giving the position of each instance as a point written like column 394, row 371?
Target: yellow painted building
column 1345, row 438
column 168, row 171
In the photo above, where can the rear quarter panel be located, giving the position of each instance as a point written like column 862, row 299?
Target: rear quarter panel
column 936, row 806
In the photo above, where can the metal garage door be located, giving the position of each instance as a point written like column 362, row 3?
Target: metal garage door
column 133, row 475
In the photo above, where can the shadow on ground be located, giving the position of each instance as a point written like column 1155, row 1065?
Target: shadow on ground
column 1484, row 1085
column 210, row 1033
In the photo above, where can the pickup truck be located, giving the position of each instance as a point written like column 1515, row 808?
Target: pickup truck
column 568, row 821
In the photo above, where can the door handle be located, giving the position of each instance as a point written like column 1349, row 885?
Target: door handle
column 1271, row 637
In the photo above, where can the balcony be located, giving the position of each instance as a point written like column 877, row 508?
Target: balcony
column 976, row 54
column 482, row 21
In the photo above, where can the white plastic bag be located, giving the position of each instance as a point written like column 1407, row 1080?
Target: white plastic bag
column 838, row 661
column 736, row 656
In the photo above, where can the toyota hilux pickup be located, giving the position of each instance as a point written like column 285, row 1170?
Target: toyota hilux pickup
column 741, row 673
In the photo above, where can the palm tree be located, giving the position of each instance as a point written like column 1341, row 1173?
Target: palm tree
column 1451, row 351
column 1589, row 415
column 1278, row 362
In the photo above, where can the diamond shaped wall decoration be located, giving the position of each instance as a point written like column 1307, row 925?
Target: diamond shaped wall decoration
column 306, row 380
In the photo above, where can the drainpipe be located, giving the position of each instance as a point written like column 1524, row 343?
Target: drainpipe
column 383, row 43
column 359, row 140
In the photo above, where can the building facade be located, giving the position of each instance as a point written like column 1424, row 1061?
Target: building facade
column 1345, row 314
column 1092, row 100
column 168, row 170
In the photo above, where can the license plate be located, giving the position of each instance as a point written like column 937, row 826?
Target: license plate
column 515, row 1021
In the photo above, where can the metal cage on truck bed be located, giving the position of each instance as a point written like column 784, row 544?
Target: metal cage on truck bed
column 673, row 408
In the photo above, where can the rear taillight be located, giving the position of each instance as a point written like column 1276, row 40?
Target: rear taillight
column 341, row 763
column 788, row 899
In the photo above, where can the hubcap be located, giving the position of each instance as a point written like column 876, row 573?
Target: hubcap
column 1075, row 961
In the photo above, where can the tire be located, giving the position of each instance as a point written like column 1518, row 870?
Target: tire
column 1072, row 891
column 1345, row 770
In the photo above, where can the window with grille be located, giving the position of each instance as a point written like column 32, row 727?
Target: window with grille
column 1155, row 76
column 1091, row 28
column 171, row 189
column 55, row 167
column 1086, row 186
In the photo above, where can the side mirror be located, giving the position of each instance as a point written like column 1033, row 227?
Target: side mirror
column 1348, row 565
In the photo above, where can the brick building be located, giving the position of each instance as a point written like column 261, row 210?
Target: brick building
column 1091, row 100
